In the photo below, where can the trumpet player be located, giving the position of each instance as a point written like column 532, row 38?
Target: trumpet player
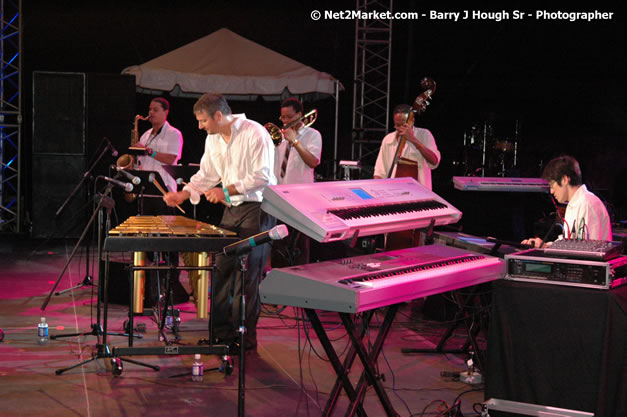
column 163, row 142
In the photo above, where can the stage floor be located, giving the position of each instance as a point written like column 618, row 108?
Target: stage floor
column 286, row 376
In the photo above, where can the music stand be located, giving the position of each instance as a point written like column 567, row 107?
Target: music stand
column 184, row 172
column 146, row 186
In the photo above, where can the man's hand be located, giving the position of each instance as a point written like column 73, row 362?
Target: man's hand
column 407, row 131
column 215, row 195
column 173, row 199
column 290, row 135
column 536, row 242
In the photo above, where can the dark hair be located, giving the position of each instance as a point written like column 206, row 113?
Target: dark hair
column 402, row 108
column 294, row 103
column 165, row 104
column 560, row 166
column 210, row 103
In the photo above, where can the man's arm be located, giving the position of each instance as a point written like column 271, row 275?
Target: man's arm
column 174, row 147
column 308, row 158
column 430, row 156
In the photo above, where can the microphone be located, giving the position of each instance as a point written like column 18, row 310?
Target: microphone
column 114, row 152
column 133, row 178
column 245, row 245
column 548, row 233
column 128, row 187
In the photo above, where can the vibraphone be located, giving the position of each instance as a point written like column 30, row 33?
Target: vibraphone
column 142, row 234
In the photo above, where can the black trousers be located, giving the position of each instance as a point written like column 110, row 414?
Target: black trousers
column 293, row 250
column 246, row 220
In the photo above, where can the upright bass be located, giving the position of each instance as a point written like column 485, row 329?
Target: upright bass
column 418, row 107
column 408, row 168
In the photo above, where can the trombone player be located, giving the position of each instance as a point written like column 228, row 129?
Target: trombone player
column 295, row 158
column 298, row 154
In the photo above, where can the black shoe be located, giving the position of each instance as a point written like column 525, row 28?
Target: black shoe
column 235, row 347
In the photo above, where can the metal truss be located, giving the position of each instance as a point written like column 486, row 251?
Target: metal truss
column 10, row 115
column 371, row 99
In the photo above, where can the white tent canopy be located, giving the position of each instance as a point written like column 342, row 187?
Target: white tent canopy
column 236, row 67
column 227, row 63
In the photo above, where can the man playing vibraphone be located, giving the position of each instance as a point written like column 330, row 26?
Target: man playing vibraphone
column 239, row 154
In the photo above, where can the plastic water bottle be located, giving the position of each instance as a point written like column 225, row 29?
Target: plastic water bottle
column 42, row 332
column 197, row 369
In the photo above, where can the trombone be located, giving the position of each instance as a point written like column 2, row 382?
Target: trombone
column 276, row 133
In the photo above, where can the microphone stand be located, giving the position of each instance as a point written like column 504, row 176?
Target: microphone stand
column 85, row 175
column 102, row 348
column 96, row 329
column 241, row 389
column 88, row 280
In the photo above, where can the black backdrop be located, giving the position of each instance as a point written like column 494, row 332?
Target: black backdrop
column 562, row 83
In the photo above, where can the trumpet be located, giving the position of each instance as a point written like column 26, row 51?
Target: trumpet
column 276, row 133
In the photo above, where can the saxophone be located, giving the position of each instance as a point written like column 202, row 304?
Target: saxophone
column 127, row 161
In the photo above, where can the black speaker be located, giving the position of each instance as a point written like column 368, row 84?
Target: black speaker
column 59, row 113
column 74, row 114
column 54, row 178
column 110, row 111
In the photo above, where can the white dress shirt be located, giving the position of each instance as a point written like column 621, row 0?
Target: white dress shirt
column 168, row 140
column 246, row 162
column 586, row 217
column 297, row 171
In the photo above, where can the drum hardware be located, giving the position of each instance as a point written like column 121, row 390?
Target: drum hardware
column 487, row 152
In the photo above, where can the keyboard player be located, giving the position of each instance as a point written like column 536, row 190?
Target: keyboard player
column 586, row 216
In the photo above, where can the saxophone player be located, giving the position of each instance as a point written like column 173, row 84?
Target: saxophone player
column 163, row 142
column 164, row 146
